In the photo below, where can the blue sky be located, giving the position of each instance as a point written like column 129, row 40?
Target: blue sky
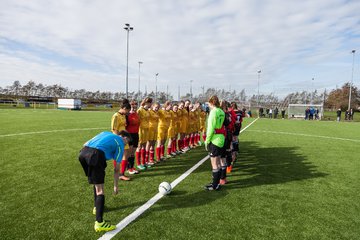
column 218, row 44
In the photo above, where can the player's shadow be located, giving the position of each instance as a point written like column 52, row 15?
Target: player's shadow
column 256, row 166
column 261, row 166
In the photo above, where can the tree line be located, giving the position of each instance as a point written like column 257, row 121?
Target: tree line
column 334, row 99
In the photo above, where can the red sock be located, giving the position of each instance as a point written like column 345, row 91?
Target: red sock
column 158, row 153
column 162, row 150
column 179, row 144
column 143, row 156
column 114, row 162
column 168, row 150
column 146, row 156
column 174, row 145
column 123, row 166
column 151, row 155
column 138, row 161
column 192, row 140
column 204, row 137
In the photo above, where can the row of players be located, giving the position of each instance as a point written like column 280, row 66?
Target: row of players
column 135, row 132
column 151, row 126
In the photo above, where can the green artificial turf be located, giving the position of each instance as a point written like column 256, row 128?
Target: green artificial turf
column 293, row 180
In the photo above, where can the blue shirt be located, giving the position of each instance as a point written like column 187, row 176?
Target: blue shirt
column 111, row 144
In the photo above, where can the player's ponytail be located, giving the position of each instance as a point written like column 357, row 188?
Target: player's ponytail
column 214, row 100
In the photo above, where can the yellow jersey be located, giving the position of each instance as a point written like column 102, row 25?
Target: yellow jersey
column 153, row 120
column 118, row 122
column 144, row 117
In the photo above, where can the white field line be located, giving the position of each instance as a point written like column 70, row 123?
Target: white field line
column 126, row 221
column 306, row 135
column 49, row 131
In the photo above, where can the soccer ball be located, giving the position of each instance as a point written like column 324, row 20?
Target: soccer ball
column 164, row 188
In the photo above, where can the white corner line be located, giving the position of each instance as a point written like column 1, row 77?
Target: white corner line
column 127, row 220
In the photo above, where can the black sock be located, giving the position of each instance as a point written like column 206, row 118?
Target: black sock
column 228, row 159
column 131, row 162
column 216, row 177
column 223, row 172
column 100, row 203
column 94, row 196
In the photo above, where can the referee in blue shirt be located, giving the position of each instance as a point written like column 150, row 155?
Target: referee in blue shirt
column 93, row 156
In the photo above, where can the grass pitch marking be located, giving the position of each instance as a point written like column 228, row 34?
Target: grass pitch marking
column 126, row 221
column 49, row 131
column 306, row 135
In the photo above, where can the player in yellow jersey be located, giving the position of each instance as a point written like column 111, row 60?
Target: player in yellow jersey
column 144, row 115
column 171, row 149
column 164, row 121
column 202, row 120
column 177, row 133
column 192, row 125
column 185, row 123
column 153, row 128
column 118, row 123
column 197, row 124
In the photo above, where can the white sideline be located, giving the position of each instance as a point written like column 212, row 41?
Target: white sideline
column 49, row 131
column 126, row 221
column 307, row 135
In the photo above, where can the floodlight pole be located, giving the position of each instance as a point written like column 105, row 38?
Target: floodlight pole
column 312, row 94
column 128, row 29
column 191, row 89
column 259, row 71
column 139, row 97
column 156, row 75
column 352, row 76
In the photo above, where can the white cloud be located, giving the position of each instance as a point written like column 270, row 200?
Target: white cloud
column 210, row 42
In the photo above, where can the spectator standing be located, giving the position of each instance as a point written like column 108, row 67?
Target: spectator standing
column 338, row 115
column 276, row 112
column 351, row 114
column 283, row 113
column 346, row 114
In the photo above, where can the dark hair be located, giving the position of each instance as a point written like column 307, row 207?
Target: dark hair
column 124, row 133
column 146, row 100
column 214, row 100
column 234, row 105
column 125, row 104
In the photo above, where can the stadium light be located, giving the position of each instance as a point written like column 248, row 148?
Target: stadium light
column 191, row 89
column 128, row 29
column 259, row 71
column 312, row 93
column 139, row 97
column 352, row 77
column 156, row 75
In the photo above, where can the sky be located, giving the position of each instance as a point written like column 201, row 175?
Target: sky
column 221, row 44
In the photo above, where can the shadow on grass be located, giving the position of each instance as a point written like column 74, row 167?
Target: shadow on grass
column 258, row 166
column 274, row 165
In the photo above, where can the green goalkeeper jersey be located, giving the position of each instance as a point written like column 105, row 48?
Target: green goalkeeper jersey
column 215, row 121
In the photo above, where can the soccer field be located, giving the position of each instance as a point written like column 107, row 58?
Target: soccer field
column 293, row 180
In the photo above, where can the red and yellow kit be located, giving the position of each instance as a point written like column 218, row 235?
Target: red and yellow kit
column 192, row 123
column 164, row 122
column 153, row 125
column 184, row 120
column 144, row 116
column 172, row 125
column 118, row 122
column 202, row 120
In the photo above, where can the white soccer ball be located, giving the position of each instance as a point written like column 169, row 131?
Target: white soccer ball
column 164, row 188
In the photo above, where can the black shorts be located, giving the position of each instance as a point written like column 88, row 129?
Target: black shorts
column 94, row 163
column 214, row 150
column 237, row 129
column 134, row 140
